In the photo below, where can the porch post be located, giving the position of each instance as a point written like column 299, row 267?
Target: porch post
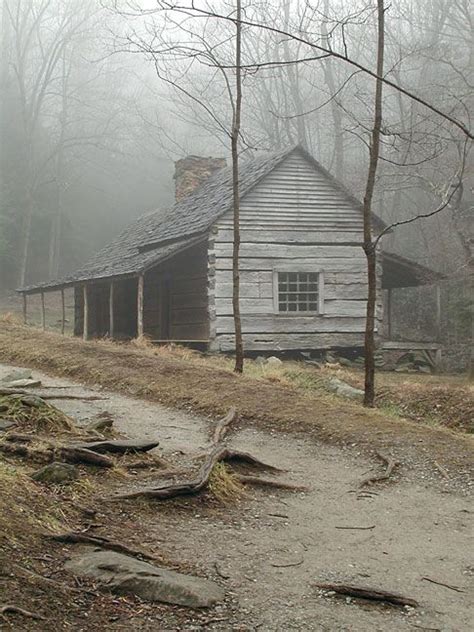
column 63, row 312
column 111, row 310
column 140, row 306
column 389, row 313
column 43, row 315
column 85, row 332
column 25, row 316
column 438, row 312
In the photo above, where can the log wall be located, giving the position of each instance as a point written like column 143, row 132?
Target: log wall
column 175, row 301
column 295, row 219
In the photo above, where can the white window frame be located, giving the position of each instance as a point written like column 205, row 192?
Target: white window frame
column 302, row 269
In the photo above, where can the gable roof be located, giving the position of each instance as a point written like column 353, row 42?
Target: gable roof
column 158, row 235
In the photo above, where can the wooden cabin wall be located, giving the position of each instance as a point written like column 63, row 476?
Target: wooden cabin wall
column 175, row 297
column 78, row 310
column 125, row 308
column 294, row 217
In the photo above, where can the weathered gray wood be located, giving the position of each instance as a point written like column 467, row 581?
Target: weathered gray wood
column 25, row 309
column 63, row 312
column 255, row 306
column 111, row 310
column 323, row 236
column 43, row 313
column 411, row 345
column 389, row 313
column 335, row 264
column 140, row 305
column 348, row 291
column 275, row 342
column 85, row 332
column 291, row 251
column 438, row 311
column 277, row 323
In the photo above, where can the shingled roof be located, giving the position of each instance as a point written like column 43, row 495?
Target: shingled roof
column 158, row 235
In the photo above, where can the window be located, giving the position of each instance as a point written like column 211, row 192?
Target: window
column 298, row 292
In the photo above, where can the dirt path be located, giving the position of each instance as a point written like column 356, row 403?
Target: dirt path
column 273, row 546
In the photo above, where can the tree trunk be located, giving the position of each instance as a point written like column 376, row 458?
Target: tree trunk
column 338, row 155
column 369, row 247
column 26, row 238
column 239, row 349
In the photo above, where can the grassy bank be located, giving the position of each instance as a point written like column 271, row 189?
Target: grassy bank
column 289, row 398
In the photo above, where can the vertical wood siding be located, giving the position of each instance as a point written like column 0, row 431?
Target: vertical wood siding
column 176, row 303
column 294, row 217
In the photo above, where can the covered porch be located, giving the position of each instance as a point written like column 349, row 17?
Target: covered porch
column 398, row 274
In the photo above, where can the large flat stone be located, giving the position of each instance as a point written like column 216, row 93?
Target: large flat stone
column 17, row 374
column 126, row 575
column 26, row 383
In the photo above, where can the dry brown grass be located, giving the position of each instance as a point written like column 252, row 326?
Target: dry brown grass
column 42, row 417
column 294, row 400
column 224, row 485
column 26, row 508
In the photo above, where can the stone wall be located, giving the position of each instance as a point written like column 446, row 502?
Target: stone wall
column 192, row 171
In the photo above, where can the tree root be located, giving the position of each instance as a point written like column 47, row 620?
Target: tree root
column 370, row 594
column 219, row 452
column 54, row 453
column 45, row 396
column 76, row 537
column 390, row 465
column 16, row 609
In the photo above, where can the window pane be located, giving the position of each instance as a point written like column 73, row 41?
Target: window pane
column 298, row 292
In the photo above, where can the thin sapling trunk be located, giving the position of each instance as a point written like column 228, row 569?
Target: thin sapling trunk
column 369, row 246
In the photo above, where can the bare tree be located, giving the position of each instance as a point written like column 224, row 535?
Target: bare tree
column 239, row 349
column 369, row 247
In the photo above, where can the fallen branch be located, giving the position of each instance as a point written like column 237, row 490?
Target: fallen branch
column 222, row 426
column 441, row 469
column 390, row 464
column 119, row 446
column 56, row 453
column 44, row 396
column 372, row 526
column 434, row 581
column 289, row 564
column 76, row 537
column 16, row 609
column 369, row 593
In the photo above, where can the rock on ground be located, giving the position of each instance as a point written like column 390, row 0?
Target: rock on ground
column 23, row 383
column 128, row 576
column 17, row 374
column 345, row 390
column 56, row 473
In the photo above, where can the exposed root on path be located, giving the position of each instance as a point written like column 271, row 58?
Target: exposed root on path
column 75, row 537
column 217, row 454
column 370, row 594
column 390, row 464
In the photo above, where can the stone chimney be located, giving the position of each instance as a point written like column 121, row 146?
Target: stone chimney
column 192, row 171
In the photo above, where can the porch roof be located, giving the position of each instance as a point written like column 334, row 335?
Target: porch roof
column 397, row 271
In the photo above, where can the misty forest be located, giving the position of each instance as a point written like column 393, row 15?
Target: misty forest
column 246, row 225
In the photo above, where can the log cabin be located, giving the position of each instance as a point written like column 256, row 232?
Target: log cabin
column 303, row 280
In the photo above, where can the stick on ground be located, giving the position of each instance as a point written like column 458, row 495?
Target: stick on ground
column 371, row 594
column 16, row 609
column 76, row 537
column 390, row 464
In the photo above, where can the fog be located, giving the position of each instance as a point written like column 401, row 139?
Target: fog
column 99, row 98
